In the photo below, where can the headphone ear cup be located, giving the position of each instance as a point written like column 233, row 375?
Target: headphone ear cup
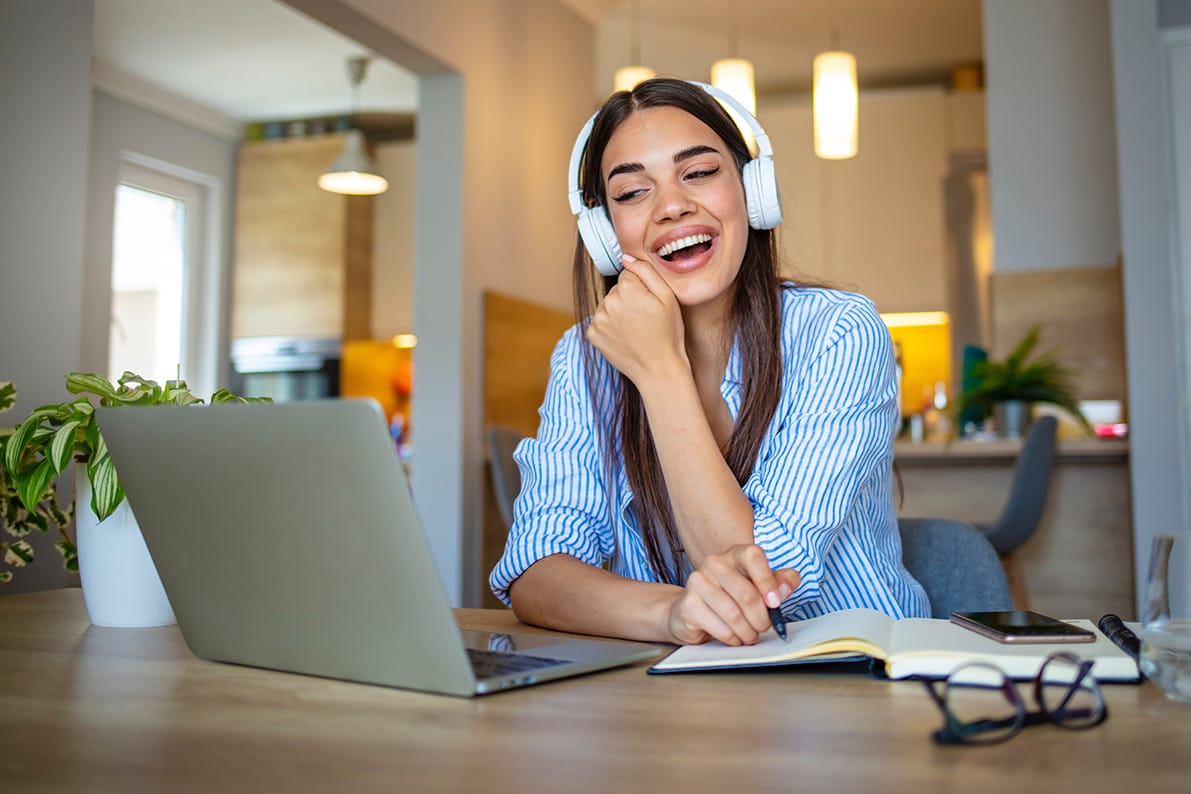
column 762, row 197
column 600, row 240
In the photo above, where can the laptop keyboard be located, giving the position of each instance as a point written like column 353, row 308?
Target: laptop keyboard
column 489, row 664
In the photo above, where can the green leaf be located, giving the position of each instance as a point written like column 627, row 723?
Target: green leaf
column 225, row 396
column 18, row 554
column 33, row 484
column 8, row 395
column 62, row 446
column 70, row 554
column 91, row 383
column 14, row 448
column 5, row 576
column 106, row 493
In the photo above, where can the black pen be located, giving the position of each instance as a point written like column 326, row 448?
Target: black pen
column 1115, row 629
column 778, row 620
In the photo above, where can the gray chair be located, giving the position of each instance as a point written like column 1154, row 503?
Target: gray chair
column 1027, row 495
column 956, row 565
column 506, row 476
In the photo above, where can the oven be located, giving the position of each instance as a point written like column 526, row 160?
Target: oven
column 286, row 368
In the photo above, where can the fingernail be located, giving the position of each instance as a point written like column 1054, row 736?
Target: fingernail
column 627, row 258
column 786, row 590
column 772, row 600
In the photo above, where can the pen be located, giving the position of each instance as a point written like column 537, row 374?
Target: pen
column 779, row 621
column 1115, row 629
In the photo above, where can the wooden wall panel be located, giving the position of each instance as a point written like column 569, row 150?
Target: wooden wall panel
column 303, row 256
column 518, row 339
column 1081, row 317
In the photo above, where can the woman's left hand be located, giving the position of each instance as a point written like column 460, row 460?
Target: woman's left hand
column 638, row 325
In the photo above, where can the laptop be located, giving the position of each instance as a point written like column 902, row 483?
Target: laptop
column 286, row 538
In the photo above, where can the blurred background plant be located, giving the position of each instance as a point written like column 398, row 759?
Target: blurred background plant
column 15, row 551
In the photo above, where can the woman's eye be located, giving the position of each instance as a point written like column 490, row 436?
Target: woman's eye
column 700, row 173
column 627, row 195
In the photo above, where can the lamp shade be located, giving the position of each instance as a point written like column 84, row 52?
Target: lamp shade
column 627, row 77
column 735, row 76
column 353, row 173
column 836, row 106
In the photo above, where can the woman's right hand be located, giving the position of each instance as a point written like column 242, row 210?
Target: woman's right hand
column 728, row 598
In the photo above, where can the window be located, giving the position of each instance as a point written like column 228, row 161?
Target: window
column 157, row 322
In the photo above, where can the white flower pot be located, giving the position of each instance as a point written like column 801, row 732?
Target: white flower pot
column 120, row 583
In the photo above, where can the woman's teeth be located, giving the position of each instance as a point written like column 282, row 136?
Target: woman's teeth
column 684, row 242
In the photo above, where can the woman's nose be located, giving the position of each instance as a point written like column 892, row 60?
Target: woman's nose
column 672, row 202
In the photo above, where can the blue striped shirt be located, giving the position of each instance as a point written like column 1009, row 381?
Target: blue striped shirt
column 821, row 489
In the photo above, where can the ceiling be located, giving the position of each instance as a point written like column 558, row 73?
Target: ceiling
column 255, row 60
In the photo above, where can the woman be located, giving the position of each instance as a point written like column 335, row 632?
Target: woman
column 713, row 442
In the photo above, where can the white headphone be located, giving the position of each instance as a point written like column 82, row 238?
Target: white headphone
column 760, row 191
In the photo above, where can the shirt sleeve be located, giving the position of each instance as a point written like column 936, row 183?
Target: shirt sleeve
column 563, row 505
column 833, row 433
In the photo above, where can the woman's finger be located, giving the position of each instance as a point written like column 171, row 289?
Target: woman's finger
column 720, row 592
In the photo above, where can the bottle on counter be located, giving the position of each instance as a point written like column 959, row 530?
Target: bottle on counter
column 937, row 419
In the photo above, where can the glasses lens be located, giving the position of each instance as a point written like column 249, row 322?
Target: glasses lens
column 982, row 705
column 1068, row 693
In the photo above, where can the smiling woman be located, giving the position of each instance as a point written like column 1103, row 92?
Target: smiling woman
column 714, row 444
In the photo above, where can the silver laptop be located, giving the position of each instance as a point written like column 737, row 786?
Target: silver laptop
column 286, row 538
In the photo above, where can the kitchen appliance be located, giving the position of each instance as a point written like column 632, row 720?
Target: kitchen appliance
column 286, row 368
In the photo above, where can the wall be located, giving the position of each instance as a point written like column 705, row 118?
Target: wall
column 873, row 223
column 1051, row 140
column 45, row 68
column 1063, row 210
column 498, row 113
column 393, row 241
column 121, row 129
column 1159, row 462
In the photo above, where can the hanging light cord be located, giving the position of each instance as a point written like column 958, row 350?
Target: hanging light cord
column 635, row 35
column 356, row 67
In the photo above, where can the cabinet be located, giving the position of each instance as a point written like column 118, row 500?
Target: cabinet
column 875, row 223
column 302, row 261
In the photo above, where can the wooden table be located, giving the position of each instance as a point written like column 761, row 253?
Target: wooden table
column 91, row 709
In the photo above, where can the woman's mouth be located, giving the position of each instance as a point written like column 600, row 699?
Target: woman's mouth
column 685, row 250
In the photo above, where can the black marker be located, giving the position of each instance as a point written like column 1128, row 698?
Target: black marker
column 1115, row 629
column 779, row 621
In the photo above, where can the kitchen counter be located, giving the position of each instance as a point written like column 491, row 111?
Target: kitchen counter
column 1079, row 563
column 1082, row 450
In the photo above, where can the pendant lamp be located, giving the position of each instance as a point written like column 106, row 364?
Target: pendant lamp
column 735, row 77
column 354, row 173
column 627, row 77
column 836, row 101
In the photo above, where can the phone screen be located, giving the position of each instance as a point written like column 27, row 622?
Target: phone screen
column 1021, row 627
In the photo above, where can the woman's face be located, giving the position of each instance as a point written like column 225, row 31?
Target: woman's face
column 676, row 200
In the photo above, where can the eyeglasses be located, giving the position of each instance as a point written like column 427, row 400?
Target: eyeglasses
column 981, row 705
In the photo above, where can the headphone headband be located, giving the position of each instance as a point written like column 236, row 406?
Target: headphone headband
column 762, row 199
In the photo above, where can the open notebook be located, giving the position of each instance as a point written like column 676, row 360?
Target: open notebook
column 286, row 538
column 908, row 647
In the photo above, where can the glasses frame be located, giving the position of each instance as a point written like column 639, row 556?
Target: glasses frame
column 956, row 731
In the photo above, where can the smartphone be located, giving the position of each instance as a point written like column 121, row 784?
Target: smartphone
column 1021, row 627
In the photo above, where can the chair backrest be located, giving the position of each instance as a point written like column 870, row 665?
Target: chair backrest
column 1031, row 484
column 956, row 565
column 506, row 476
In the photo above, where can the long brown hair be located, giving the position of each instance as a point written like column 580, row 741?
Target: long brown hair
column 755, row 321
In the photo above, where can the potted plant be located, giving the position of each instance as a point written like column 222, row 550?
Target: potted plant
column 1007, row 389
column 54, row 436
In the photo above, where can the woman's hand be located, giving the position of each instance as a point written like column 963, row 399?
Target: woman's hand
column 638, row 325
column 728, row 597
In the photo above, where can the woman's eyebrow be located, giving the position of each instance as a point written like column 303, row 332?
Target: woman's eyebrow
column 694, row 151
column 685, row 154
